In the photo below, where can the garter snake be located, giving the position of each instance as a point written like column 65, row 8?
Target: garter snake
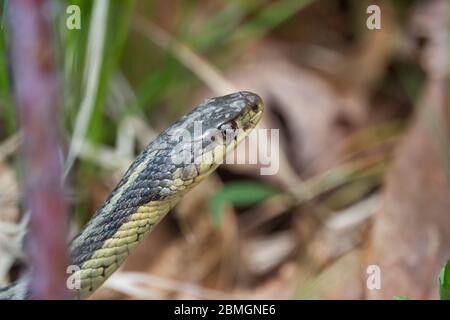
column 177, row 160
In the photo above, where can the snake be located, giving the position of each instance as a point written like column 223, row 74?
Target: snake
column 169, row 167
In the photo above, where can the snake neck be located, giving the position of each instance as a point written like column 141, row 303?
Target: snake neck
column 95, row 266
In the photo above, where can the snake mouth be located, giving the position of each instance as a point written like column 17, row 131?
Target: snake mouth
column 253, row 112
column 254, row 118
column 250, row 125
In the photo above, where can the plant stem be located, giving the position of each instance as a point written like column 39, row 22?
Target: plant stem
column 36, row 94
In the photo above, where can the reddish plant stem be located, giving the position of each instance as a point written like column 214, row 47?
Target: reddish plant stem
column 35, row 88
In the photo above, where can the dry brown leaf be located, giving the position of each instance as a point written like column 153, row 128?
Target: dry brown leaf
column 411, row 236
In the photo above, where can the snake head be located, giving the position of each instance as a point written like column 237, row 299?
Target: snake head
column 213, row 129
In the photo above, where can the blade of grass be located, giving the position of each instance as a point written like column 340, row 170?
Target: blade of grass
column 74, row 46
column 7, row 108
column 92, row 69
column 270, row 17
column 444, row 282
column 154, row 86
column 220, row 26
column 210, row 75
column 241, row 193
column 117, row 30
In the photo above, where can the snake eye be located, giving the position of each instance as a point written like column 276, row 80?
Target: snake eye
column 228, row 131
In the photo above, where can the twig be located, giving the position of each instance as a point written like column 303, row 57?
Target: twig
column 138, row 283
column 355, row 214
column 36, row 95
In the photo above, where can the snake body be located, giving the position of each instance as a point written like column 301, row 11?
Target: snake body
column 177, row 160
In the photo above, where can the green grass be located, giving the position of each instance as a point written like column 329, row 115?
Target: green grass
column 7, row 112
column 240, row 193
column 444, row 282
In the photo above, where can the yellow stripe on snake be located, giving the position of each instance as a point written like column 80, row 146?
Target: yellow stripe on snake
column 176, row 161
